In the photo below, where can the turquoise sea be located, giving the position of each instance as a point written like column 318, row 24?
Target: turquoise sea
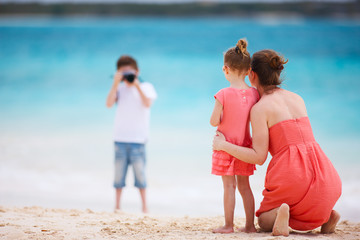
column 56, row 133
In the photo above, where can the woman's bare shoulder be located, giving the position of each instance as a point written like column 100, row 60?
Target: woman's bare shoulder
column 273, row 104
column 262, row 106
column 295, row 103
column 293, row 95
column 266, row 101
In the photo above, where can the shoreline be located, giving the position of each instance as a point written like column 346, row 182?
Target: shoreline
column 54, row 223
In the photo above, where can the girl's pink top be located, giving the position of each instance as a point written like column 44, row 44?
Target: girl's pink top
column 235, row 125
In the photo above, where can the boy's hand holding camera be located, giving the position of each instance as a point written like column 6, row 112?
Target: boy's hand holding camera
column 118, row 77
column 128, row 76
column 130, row 79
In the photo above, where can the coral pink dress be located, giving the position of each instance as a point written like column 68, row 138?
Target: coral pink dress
column 300, row 175
column 235, row 125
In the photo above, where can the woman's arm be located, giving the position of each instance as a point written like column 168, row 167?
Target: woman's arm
column 260, row 144
column 216, row 114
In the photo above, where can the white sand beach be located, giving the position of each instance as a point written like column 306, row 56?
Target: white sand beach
column 49, row 223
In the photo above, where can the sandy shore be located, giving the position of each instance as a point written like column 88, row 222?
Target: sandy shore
column 46, row 223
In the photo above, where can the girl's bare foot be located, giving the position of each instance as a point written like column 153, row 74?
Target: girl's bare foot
column 329, row 227
column 281, row 225
column 248, row 229
column 224, row 229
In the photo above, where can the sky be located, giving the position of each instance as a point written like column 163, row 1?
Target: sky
column 160, row 1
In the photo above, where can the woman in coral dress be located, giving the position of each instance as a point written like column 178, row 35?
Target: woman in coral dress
column 301, row 184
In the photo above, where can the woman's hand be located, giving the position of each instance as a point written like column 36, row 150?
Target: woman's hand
column 219, row 140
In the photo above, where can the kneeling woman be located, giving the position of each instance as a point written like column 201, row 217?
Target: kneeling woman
column 301, row 184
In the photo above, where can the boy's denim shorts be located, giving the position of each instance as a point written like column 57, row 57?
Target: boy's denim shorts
column 129, row 154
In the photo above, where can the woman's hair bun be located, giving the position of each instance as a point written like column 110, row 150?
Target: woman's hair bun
column 241, row 46
column 277, row 63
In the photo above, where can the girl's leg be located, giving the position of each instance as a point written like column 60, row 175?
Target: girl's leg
column 229, row 183
column 248, row 200
column 276, row 220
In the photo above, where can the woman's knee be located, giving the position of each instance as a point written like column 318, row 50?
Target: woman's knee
column 267, row 219
column 265, row 224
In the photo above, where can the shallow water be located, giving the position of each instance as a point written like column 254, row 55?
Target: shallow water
column 56, row 134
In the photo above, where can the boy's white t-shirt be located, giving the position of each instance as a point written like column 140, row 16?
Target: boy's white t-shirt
column 132, row 117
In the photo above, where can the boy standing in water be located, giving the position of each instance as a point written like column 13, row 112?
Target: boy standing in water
column 133, row 99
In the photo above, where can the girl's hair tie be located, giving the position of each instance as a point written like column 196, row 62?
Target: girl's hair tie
column 237, row 49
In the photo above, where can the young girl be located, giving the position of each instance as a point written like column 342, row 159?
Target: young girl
column 231, row 115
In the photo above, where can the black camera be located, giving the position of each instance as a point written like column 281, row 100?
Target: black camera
column 129, row 76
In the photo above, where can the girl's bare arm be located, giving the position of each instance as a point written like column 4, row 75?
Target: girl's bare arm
column 216, row 114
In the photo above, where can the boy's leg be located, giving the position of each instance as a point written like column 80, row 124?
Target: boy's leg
column 138, row 160
column 117, row 198
column 248, row 201
column 121, row 166
column 143, row 200
column 229, row 183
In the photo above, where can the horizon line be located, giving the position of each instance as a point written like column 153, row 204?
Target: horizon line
column 169, row 1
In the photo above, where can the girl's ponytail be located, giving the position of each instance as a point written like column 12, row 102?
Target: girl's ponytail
column 238, row 58
column 241, row 46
